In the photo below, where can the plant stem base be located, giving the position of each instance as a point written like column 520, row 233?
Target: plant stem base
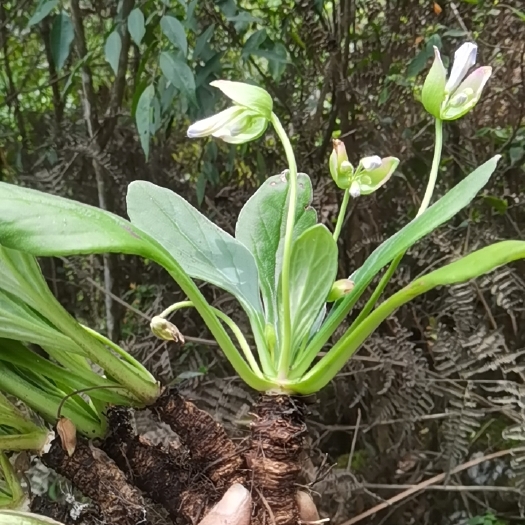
column 188, row 480
column 91, row 471
column 162, row 475
column 277, row 442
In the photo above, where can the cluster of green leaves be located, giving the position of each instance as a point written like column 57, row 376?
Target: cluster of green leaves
column 29, row 313
column 167, row 229
column 177, row 49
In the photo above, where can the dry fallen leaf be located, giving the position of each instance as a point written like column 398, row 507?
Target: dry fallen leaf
column 68, row 435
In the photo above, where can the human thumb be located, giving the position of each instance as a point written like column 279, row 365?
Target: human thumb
column 235, row 508
column 307, row 509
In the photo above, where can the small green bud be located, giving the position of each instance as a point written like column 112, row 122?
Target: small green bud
column 339, row 289
column 340, row 167
column 165, row 330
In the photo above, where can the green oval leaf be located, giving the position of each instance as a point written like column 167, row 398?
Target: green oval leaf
column 143, row 115
column 313, row 268
column 136, row 25
column 178, row 73
column 201, row 248
column 42, row 10
column 62, row 34
column 175, row 33
column 261, row 227
column 112, row 50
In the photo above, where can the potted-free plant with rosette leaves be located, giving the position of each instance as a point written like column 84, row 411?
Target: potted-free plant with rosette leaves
column 281, row 266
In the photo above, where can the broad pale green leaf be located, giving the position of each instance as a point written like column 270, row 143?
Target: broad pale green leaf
column 440, row 212
column 62, row 34
column 136, row 25
column 313, row 268
column 12, row 517
column 143, row 117
column 261, row 226
column 178, row 73
column 112, row 50
column 43, row 224
column 174, row 31
column 202, row 249
column 43, row 9
column 47, row 225
column 469, row 267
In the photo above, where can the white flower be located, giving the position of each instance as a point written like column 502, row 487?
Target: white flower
column 450, row 99
column 371, row 173
column 464, row 59
column 234, row 125
column 246, row 120
column 370, row 163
